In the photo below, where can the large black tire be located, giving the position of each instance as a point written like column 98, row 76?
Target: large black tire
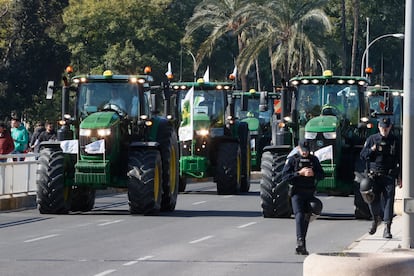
column 228, row 169
column 182, row 184
column 274, row 193
column 144, row 181
column 246, row 157
column 83, row 199
column 52, row 195
column 167, row 138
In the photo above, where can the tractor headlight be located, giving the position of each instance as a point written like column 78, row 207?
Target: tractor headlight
column 85, row 132
column 310, row 135
column 202, row 132
column 104, row 132
column 329, row 135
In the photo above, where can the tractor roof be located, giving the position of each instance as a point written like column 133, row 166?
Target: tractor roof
column 203, row 85
column 328, row 78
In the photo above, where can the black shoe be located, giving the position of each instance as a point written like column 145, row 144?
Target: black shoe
column 301, row 248
column 387, row 231
column 374, row 225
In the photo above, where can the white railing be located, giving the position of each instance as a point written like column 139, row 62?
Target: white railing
column 18, row 178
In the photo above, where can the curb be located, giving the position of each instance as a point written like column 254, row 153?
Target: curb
column 17, row 202
column 398, row 262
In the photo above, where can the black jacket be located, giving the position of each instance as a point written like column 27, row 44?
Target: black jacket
column 297, row 162
column 387, row 156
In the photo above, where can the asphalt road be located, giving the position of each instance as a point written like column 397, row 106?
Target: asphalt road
column 207, row 235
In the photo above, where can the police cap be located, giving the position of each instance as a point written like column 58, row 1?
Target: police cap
column 385, row 122
column 304, row 145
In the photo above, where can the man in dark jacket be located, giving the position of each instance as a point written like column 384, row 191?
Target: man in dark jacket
column 303, row 170
column 40, row 127
column 382, row 153
column 47, row 135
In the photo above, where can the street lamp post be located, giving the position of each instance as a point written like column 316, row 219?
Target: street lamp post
column 400, row 36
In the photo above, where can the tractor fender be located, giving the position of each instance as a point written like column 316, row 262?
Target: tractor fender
column 285, row 149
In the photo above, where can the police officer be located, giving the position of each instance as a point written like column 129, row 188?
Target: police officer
column 382, row 154
column 303, row 170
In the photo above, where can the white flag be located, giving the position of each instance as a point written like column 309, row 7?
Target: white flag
column 96, row 147
column 234, row 74
column 70, row 146
column 206, row 76
column 325, row 153
column 169, row 71
column 185, row 131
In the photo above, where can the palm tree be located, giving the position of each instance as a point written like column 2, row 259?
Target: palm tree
column 219, row 17
column 288, row 29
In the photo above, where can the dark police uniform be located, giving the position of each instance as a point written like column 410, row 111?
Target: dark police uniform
column 303, row 191
column 384, row 167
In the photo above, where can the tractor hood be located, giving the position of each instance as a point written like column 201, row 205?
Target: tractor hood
column 99, row 120
column 253, row 123
column 322, row 124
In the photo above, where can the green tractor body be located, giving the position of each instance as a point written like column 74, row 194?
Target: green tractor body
column 330, row 111
column 246, row 106
column 109, row 143
column 212, row 143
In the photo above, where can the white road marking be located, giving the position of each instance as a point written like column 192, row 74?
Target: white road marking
column 199, row 202
column 42, row 238
column 200, row 240
column 329, row 197
column 247, row 224
column 110, row 222
column 106, row 272
column 228, row 196
column 140, row 259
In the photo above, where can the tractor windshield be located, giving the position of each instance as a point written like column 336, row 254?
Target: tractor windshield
column 341, row 100
column 206, row 108
column 94, row 96
column 253, row 110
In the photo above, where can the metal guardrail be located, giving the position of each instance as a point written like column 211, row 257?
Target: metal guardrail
column 18, row 178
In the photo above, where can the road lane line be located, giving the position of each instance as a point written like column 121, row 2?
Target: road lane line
column 200, row 240
column 228, row 196
column 42, row 238
column 110, row 222
column 199, row 202
column 247, row 224
column 140, row 259
column 106, row 272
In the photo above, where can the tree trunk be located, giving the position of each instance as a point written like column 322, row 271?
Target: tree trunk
column 343, row 38
column 272, row 69
column 243, row 77
column 355, row 35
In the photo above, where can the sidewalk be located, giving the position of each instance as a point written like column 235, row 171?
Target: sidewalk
column 376, row 243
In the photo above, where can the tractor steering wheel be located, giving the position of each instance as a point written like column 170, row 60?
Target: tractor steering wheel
column 114, row 107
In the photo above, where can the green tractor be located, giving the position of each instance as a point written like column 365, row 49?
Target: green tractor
column 212, row 142
column 383, row 102
column 246, row 105
column 330, row 111
column 112, row 138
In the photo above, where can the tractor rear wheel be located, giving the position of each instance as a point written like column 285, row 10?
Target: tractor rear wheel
column 246, row 157
column 83, row 199
column 52, row 195
column 144, row 181
column 167, row 138
column 228, row 169
column 274, row 193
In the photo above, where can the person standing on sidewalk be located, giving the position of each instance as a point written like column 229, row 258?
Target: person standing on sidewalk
column 6, row 141
column 20, row 137
column 303, row 170
column 382, row 153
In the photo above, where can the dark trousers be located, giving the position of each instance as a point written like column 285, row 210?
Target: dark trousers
column 301, row 209
column 384, row 189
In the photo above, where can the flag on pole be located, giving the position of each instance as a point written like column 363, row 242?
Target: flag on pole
column 206, row 76
column 70, row 146
column 169, row 71
column 234, row 74
column 185, row 131
column 325, row 153
column 95, row 147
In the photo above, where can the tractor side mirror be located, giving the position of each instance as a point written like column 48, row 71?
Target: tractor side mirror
column 263, row 102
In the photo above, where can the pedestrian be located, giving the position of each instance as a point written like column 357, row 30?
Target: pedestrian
column 48, row 134
column 382, row 153
column 40, row 127
column 20, row 137
column 303, row 170
column 6, row 141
